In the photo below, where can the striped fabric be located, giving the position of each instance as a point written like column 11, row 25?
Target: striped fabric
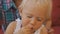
column 8, row 11
column 7, row 4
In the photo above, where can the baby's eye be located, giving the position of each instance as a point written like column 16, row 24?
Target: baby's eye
column 29, row 16
column 39, row 19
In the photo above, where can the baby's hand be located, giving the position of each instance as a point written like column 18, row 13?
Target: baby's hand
column 44, row 31
column 51, row 31
column 26, row 30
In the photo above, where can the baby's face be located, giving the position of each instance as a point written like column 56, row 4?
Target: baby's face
column 33, row 16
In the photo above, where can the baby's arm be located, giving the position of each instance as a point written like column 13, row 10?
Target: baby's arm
column 10, row 28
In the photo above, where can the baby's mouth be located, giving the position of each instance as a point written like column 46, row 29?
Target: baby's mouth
column 33, row 30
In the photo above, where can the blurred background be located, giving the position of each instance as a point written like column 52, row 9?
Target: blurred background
column 9, row 12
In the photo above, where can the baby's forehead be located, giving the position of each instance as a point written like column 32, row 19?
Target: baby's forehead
column 35, row 10
column 36, row 7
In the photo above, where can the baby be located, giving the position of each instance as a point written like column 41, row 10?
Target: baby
column 34, row 17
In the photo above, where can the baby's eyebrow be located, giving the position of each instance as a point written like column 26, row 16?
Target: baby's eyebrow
column 29, row 14
column 39, row 17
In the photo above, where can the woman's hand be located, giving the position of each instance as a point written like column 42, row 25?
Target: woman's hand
column 44, row 30
column 51, row 31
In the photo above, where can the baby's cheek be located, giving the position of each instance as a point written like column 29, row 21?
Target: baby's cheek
column 25, row 23
column 37, row 26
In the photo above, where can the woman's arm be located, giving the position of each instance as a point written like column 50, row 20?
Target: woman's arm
column 10, row 28
column 17, row 2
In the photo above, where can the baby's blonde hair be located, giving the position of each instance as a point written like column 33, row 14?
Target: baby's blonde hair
column 41, row 3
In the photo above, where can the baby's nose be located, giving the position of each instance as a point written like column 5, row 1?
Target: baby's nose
column 33, row 22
